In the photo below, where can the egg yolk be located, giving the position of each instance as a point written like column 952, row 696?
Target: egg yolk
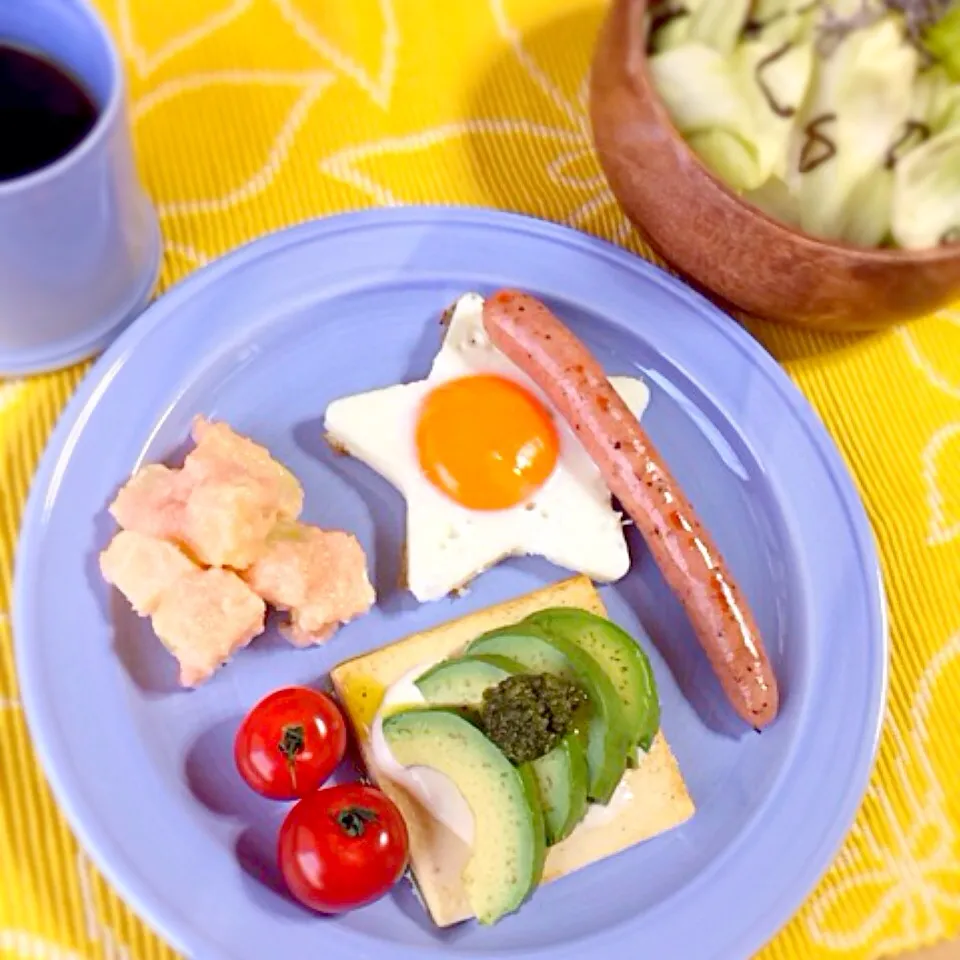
column 486, row 442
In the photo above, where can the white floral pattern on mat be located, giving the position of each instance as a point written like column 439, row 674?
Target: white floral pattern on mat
column 10, row 392
column 927, row 364
column 378, row 86
column 312, row 85
column 944, row 512
column 97, row 931
column 915, row 864
column 572, row 146
column 31, row 946
column 145, row 62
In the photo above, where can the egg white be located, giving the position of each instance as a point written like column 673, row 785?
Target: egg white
column 569, row 520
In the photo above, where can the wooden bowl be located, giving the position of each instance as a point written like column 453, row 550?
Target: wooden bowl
column 723, row 244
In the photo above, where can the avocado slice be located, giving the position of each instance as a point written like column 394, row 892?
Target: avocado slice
column 621, row 657
column 461, row 681
column 609, row 738
column 562, row 778
column 561, row 774
column 508, row 830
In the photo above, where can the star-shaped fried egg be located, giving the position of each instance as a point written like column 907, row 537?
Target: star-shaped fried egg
column 487, row 468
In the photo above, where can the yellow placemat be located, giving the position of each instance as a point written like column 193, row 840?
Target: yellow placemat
column 253, row 114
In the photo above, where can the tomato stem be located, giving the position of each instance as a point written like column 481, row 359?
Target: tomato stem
column 292, row 742
column 353, row 820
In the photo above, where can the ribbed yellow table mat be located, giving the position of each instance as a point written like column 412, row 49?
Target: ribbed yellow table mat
column 253, row 114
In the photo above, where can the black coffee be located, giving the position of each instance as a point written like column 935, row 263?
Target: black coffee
column 44, row 112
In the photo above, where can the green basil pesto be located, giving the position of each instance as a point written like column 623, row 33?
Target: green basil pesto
column 527, row 715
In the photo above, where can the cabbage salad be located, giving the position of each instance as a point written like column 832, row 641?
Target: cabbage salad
column 840, row 117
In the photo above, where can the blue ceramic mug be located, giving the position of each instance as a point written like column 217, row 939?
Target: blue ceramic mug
column 79, row 242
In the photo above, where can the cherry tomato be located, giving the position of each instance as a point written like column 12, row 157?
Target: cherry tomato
column 290, row 743
column 342, row 847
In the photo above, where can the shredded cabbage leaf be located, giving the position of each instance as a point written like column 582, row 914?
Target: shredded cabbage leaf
column 732, row 126
column 867, row 85
column 783, row 21
column 819, row 113
column 926, row 193
column 775, row 80
column 702, row 91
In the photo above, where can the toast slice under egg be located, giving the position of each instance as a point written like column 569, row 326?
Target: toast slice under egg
column 658, row 799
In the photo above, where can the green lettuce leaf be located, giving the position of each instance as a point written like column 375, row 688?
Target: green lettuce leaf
column 936, row 100
column 704, row 94
column 867, row 219
column 867, row 87
column 719, row 106
column 718, row 23
column 746, row 104
column 783, row 81
column 676, row 30
column 671, row 34
column 926, row 192
column 728, row 155
column 783, row 21
column 700, row 88
column 776, row 200
column 943, row 41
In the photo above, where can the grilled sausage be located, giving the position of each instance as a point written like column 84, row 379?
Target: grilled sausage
column 526, row 331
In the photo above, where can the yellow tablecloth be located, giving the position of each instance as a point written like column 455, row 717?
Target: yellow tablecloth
column 253, row 114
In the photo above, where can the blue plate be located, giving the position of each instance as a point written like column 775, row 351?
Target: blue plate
column 264, row 339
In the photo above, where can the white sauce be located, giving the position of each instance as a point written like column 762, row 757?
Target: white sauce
column 599, row 814
column 435, row 790
column 438, row 793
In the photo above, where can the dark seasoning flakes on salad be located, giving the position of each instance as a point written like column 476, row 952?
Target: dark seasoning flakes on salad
column 839, row 117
